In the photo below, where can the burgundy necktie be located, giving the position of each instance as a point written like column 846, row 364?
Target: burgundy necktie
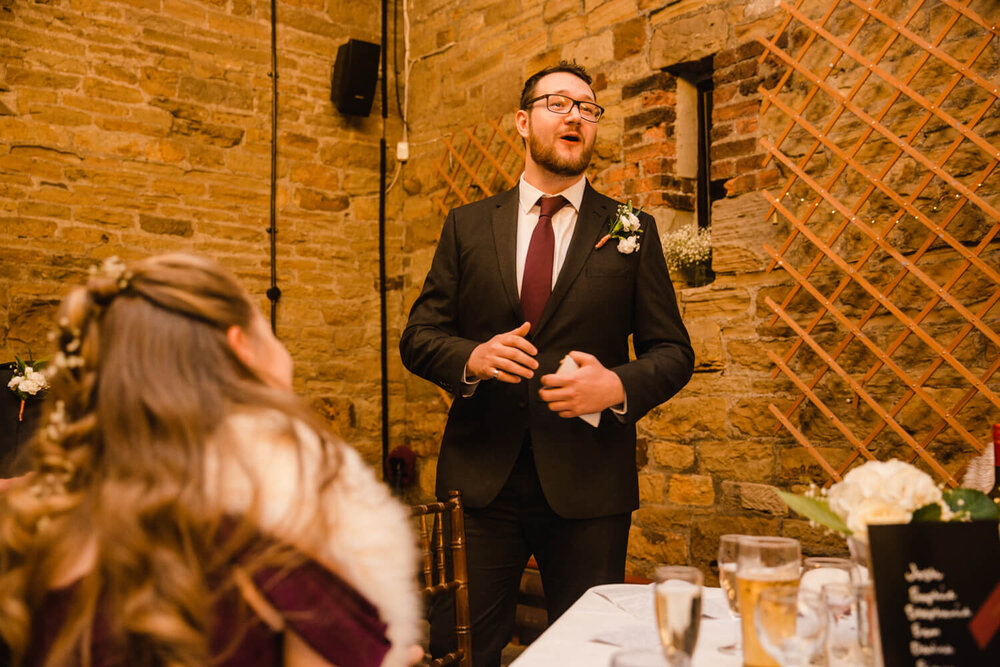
column 536, row 283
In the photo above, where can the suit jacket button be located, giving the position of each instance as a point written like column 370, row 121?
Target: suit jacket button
column 522, row 404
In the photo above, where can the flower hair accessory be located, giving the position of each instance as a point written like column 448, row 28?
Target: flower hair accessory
column 625, row 229
column 113, row 268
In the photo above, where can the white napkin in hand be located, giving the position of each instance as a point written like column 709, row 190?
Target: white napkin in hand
column 567, row 365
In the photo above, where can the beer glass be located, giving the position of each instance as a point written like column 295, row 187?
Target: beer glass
column 728, row 550
column 791, row 625
column 762, row 563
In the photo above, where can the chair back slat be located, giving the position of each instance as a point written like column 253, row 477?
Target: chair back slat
column 433, row 518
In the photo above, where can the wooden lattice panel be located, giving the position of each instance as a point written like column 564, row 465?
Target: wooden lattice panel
column 479, row 162
column 885, row 125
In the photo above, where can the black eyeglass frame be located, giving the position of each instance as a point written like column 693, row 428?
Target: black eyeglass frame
column 576, row 103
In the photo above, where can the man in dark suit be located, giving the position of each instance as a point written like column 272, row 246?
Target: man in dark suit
column 518, row 283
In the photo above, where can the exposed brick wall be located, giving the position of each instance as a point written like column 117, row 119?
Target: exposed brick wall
column 132, row 127
column 707, row 457
column 136, row 126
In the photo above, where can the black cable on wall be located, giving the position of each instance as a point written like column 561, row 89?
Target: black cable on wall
column 273, row 293
column 384, row 328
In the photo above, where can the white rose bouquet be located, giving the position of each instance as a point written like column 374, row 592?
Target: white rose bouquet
column 888, row 492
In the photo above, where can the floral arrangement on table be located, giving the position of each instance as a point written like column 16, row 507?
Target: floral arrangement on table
column 688, row 246
column 28, row 380
column 888, row 492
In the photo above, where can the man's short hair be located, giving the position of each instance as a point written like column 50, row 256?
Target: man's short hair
column 528, row 92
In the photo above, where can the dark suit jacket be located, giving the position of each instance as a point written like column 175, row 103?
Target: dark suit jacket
column 599, row 298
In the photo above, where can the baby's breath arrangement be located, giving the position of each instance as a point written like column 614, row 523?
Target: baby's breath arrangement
column 688, row 246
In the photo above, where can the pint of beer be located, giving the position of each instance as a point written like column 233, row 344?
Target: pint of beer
column 762, row 563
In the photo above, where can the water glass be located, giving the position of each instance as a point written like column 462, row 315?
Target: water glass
column 820, row 570
column 678, row 611
column 853, row 635
column 762, row 563
column 791, row 625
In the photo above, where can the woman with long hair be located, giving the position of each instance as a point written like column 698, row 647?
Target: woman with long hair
column 184, row 508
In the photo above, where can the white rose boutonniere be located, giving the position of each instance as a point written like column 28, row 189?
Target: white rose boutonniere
column 625, row 228
column 27, row 381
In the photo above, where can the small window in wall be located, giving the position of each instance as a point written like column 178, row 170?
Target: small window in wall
column 693, row 132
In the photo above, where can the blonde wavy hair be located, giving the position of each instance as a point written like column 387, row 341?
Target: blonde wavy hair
column 147, row 380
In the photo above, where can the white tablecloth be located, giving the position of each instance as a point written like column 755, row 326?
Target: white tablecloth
column 580, row 637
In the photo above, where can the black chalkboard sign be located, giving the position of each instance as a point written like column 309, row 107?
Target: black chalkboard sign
column 937, row 586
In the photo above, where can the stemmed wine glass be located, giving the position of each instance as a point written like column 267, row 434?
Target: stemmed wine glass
column 678, row 611
column 728, row 551
column 791, row 625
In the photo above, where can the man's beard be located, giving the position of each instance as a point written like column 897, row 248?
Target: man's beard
column 547, row 157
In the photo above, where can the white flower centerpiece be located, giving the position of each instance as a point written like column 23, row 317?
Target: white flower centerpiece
column 689, row 251
column 28, row 381
column 889, row 492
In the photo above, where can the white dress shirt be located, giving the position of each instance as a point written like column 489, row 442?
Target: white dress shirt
column 563, row 223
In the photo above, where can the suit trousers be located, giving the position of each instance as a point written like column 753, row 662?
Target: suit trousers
column 572, row 556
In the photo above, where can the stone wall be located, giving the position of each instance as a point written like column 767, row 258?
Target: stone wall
column 133, row 127
column 709, row 458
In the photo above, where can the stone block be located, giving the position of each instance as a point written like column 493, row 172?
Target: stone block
column 737, row 460
column 591, row 51
column 762, row 498
column 672, row 455
column 739, row 232
column 651, row 487
column 657, row 548
column 815, row 540
column 706, row 339
column 609, row 13
column 691, row 490
column 172, row 227
column 683, row 418
column 720, row 304
column 630, row 38
column 688, row 38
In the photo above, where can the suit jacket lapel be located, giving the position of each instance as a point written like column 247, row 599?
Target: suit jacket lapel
column 591, row 224
column 505, row 238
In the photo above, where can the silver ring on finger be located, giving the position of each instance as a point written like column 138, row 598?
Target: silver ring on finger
column 496, row 373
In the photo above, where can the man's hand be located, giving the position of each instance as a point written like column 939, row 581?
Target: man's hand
column 507, row 357
column 590, row 388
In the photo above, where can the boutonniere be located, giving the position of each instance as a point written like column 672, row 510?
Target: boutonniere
column 624, row 228
column 27, row 380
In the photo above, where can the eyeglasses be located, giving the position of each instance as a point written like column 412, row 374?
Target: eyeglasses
column 589, row 111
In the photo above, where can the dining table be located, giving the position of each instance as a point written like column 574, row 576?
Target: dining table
column 612, row 617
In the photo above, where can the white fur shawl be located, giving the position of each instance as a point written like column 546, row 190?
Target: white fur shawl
column 365, row 534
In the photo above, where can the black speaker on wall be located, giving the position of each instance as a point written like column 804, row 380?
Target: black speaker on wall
column 354, row 77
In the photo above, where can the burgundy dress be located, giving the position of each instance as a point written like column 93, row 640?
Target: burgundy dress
column 329, row 615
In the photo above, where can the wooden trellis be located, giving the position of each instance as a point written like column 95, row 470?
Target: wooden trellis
column 479, row 162
column 886, row 128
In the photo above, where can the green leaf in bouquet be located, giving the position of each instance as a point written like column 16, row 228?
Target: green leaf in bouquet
column 972, row 505
column 815, row 509
column 930, row 512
